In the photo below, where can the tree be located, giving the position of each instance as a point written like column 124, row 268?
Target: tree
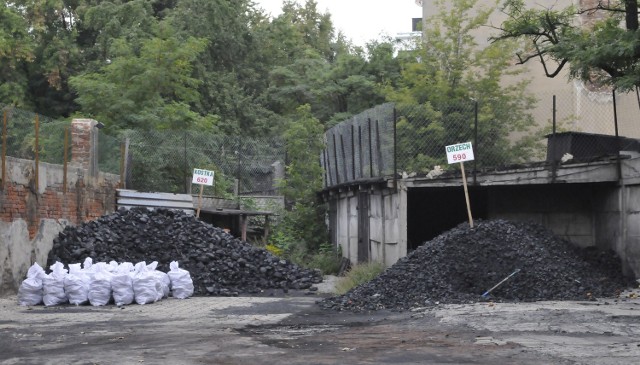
column 304, row 222
column 444, row 78
column 606, row 52
column 147, row 89
column 16, row 51
column 52, row 29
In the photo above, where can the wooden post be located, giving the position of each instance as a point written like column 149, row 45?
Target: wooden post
column 466, row 194
column 122, row 158
column 243, row 226
column 199, row 201
column 64, row 163
column 266, row 229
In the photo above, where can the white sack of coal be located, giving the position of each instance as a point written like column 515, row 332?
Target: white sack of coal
column 53, row 285
column 181, row 282
column 87, row 264
column 122, row 284
column 162, row 278
column 146, row 287
column 30, row 291
column 100, row 285
column 76, row 285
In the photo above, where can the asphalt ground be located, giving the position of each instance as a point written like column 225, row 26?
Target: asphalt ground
column 292, row 329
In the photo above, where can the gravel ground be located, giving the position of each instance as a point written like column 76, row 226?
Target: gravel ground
column 293, row 330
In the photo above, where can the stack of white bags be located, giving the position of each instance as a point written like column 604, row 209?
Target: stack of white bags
column 103, row 283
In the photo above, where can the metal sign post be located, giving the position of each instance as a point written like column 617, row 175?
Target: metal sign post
column 459, row 153
column 202, row 177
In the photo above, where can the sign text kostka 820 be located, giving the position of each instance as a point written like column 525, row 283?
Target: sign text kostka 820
column 202, row 177
column 460, row 152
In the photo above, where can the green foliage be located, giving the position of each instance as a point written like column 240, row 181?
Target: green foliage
column 301, row 228
column 441, row 84
column 358, row 275
column 16, row 50
column 304, row 145
column 149, row 89
column 274, row 250
column 604, row 53
column 326, row 261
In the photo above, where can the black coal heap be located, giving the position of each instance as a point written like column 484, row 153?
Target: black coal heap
column 461, row 265
column 219, row 263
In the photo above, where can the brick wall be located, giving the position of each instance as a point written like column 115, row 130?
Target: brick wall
column 32, row 215
column 88, row 195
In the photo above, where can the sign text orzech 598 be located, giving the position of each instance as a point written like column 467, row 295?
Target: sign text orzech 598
column 460, row 152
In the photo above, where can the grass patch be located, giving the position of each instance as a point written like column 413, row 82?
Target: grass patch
column 359, row 274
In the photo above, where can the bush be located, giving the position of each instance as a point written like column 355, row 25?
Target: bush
column 326, row 261
column 358, row 275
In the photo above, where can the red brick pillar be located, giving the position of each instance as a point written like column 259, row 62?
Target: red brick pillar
column 84, row 144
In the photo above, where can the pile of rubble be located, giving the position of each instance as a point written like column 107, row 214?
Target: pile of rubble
column 219, row 263
column 463, row 264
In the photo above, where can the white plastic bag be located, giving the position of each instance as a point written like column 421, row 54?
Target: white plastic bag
column 146, row 287
column 162, row 278
column 100, row 285
column 53, row 285
column 181, row 282
column 122, row 284
column 88, row 263
column 30, row 291
column 76, row 285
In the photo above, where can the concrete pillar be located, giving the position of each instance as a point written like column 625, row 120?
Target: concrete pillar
column 84, row 145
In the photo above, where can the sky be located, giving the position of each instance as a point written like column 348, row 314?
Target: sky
column 361, row 20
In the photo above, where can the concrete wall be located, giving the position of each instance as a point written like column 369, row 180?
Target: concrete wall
column 567, row 210
column 31, row 217
column 630, row 245
column 604, row 214
column 384, row 227
column 387, row 242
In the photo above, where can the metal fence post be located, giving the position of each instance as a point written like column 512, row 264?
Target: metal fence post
column 618, row 144
column 554, row 166
column 36, row 148
column 4, row 149
column 344, row 159
column 186, row 187
column 378, row 148
column 475, row 142
column 335, row 158
column 370, row 149
column 353, row 153
column 360, row 152
column 395, row 150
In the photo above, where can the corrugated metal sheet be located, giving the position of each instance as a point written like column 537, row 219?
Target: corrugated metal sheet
column 131, row 198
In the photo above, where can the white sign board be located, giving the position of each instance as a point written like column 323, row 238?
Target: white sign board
column 202, row 177
column 460, row 152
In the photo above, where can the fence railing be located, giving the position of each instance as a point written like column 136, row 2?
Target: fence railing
column 164, row 161
column 396, row 139
column 159, row 161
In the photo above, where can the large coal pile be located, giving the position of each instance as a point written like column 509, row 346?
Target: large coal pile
column 219, row 263
column 462, row 264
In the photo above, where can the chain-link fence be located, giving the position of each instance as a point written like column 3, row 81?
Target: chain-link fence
column 24, row 128
column 164, row 161
column 396, row 139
